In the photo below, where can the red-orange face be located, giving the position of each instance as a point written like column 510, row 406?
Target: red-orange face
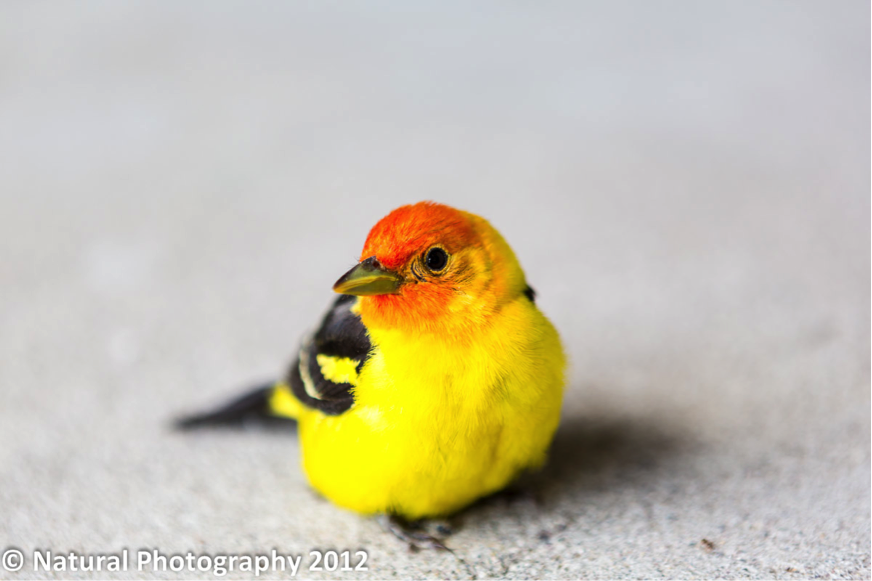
column 428, row 266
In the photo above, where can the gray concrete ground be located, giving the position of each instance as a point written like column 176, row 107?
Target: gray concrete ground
column 686, row 184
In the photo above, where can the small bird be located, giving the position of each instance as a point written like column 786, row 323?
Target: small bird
column 434, row 380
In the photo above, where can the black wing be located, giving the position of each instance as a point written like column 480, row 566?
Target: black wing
column 341, row 343
column 340, row 338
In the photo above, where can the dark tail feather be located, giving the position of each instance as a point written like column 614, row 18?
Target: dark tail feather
column 251, row 408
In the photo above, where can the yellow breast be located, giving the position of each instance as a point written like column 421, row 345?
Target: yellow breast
column 440, row 422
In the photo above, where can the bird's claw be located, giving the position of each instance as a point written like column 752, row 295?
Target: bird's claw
column 412, row 533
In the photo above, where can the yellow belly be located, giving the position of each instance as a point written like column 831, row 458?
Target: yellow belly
column 436, row 425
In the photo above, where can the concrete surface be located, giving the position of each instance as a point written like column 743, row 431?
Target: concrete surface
column 686, row 184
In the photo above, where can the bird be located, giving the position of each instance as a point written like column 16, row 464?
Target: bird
column 432, row 381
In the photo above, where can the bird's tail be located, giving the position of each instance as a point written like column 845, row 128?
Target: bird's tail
column 272, row 402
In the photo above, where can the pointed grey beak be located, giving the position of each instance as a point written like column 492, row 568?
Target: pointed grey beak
column 368, row 278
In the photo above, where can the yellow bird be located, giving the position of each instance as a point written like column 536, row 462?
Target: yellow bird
column 434, row 380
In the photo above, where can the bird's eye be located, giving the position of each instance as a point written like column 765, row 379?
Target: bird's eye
column 436, row 259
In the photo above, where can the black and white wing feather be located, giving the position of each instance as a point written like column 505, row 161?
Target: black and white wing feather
column 325, row 372
column 322, row 377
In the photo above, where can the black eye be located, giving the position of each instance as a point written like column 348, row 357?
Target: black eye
column 436, row 259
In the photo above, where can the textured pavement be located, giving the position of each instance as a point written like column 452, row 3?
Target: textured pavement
column 686, row 185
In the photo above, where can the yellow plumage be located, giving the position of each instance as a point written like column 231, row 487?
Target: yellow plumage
column 436, row 426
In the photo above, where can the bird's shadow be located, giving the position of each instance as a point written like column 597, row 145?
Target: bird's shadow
column 591, row 454
column 586, row 448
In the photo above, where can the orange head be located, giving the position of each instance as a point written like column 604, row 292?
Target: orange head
column 428, row 267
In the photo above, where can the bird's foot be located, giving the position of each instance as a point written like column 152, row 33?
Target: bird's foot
column 414, row 532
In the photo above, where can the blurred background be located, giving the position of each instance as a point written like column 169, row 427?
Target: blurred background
column 686, row 184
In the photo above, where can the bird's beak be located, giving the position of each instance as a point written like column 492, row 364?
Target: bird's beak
column 368, row 278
